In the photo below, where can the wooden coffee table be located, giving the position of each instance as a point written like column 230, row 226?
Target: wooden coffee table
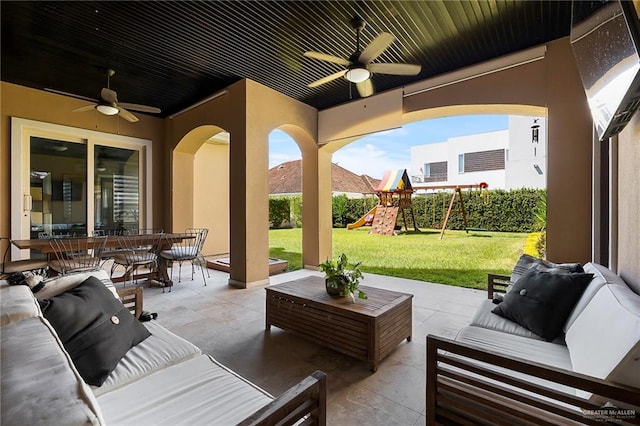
column 368, row 329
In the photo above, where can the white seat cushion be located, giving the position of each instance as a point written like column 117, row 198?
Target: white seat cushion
column 199, row 391
column 512, row 345
column 179, row 253
column 486, row 319
column 604, row 340
column 541, row 351
column 161, row 349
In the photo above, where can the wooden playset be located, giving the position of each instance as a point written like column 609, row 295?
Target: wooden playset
column 394, row 194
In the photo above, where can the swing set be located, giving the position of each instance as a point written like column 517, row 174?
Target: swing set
column 457, row 192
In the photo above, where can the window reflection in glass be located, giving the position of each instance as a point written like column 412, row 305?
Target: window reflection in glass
column 116, row 189
column 58, row 186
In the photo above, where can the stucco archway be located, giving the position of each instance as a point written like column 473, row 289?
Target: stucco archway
column 311, row 248
column 200, row 185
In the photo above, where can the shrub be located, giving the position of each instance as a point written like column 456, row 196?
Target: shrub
column 520, row 210
column 279, row 211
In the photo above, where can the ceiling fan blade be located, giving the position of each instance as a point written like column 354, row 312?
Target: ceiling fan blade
column 127, row 115
column 109, row 95
column 327, row 79
column 395, row 69
column 365, row 88
column 60, row 92
column 84, row 108
column 376, row 47
column 141, row 108
column 328, row 58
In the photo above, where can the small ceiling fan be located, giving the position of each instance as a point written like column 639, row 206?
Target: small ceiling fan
column 108, row 103
column 359, row 66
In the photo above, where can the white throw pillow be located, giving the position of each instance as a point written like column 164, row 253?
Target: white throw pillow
column 601, row 276
column 57, row 285
column 604, row 340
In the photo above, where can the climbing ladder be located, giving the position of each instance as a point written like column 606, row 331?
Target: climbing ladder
column 384, row 222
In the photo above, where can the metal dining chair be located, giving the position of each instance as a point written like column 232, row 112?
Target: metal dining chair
column 188, row 248
column 39, row 266
column 109, row 253
column 76, row 254
column 137, row 253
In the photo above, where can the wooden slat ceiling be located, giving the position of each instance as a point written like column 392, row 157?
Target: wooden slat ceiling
column 171, row 54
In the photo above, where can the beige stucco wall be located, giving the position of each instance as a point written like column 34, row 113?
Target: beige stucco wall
column 22, row 102
column 211, row 196
column 629, row 203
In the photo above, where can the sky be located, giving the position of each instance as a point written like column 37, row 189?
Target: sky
column 391, row 149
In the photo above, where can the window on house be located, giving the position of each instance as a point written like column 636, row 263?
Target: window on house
column 437, row 172
column 427, row 170
column 483, row 160
column 460, row 163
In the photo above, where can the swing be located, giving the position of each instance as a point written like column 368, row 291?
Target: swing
column 434, row 196
column 473, row 229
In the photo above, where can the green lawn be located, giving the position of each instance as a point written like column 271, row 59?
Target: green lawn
column 459, row 259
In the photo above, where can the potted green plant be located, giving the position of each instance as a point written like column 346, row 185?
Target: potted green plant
column 341, row 281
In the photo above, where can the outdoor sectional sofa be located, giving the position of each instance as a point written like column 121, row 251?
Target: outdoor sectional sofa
column 496, row 371
column 163, row 379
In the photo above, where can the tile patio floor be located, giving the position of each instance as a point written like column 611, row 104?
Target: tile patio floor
column 228, row 324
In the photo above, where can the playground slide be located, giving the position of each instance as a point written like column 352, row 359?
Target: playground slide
column 364, row 220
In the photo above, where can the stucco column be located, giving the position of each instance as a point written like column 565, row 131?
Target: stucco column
column 569, row 137
column 316, row 207
column 249, row 208
column 182, row 191
column 325, row 221
column 310, row 210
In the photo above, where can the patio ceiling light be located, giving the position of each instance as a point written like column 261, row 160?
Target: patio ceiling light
column 357, row 74
column 107, row 109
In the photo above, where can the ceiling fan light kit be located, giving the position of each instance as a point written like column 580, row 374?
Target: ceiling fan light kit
column 107, row 109
column 357, row 74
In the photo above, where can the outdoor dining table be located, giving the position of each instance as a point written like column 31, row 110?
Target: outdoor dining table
column 113, row 241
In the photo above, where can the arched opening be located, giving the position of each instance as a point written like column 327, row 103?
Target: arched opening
column 505, row 154
column 285, row 199
column 200, row 186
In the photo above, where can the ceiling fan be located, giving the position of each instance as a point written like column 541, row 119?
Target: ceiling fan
column 359, row 66
column 108, row 103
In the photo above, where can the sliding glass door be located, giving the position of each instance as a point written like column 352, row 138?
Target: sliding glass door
column 69, row 181
column 58, row 187
column 116, row 189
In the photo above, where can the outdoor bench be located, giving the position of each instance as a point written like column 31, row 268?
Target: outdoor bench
column 496, row 371
column 163, row 379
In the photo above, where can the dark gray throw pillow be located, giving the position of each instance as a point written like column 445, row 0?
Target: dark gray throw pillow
column 527, row 262
column 94, row 327
column 541, row 301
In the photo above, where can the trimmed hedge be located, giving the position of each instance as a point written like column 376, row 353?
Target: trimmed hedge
column 494, row 210
column 279, row 212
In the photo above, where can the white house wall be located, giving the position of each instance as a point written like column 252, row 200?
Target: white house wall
column 524, row 154
column 521, row 156
column 488, row 141
column 421, row 154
